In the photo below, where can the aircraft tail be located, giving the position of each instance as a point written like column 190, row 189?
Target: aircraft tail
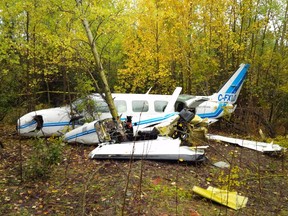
column 229, row 92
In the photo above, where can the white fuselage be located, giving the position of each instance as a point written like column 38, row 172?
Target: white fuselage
column 146, row 110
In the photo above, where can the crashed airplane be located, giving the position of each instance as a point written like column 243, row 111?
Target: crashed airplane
column 157, row 127
column 145, row 110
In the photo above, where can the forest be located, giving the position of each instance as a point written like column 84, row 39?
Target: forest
column 48, row 59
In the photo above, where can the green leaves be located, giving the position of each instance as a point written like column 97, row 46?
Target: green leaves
column 45, row 155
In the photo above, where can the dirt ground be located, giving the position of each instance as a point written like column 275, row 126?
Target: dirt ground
column 77, row 185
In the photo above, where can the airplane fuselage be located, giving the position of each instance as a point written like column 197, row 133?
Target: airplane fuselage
column 146, row 110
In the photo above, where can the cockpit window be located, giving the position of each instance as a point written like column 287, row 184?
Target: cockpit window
column 83, row 104
column 101, row 107
column 140, row 106
column 159, row 106
column 90, row 105
column 97, row 105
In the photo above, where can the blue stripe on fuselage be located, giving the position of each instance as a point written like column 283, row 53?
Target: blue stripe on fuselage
column 83, row 133
column 27, row 124
column 53, row 124
column 50, row 124
column 214, row 114
column 153, row 120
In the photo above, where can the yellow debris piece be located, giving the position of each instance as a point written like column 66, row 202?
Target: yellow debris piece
column 224, row 197
column 196, row 120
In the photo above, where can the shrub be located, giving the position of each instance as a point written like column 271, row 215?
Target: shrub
column 46, row 153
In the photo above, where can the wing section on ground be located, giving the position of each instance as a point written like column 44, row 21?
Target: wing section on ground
column 255, row 145
column 163, row 148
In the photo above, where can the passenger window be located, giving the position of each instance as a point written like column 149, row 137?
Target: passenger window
column 159, row 106
column 140, row 106
column 121, row 106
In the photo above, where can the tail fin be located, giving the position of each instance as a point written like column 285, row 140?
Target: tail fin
column 231, row 89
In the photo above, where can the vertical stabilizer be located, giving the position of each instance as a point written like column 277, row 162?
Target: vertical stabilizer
column 231, row 89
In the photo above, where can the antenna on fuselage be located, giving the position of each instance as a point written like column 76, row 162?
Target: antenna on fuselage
column 149, row 90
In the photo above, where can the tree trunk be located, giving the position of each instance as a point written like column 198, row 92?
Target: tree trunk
column 108, row 96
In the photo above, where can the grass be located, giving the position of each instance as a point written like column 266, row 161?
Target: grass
column 77, row 185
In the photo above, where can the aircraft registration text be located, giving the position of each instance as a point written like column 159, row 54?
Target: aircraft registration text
column 227, row 97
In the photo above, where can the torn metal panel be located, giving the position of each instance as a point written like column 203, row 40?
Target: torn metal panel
column 224, row 197
column 190, row 128
column 255, row 145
